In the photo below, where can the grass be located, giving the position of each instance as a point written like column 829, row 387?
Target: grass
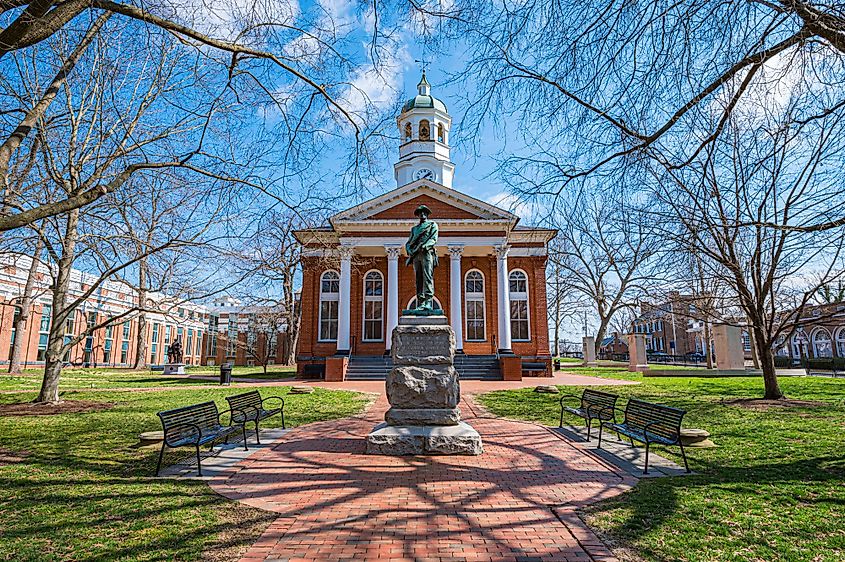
column 774, row 489
column 90, row 378
column 81, row 489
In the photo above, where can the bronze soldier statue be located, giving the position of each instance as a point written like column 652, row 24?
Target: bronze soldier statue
column 422, row 254
column 174, row 354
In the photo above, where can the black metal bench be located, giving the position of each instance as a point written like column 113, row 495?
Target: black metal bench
column 155, row 368
column 649, row 423
column 825, row 366
column 249, row 407
column 195, row 425
column 595, row 405
column 534, row 367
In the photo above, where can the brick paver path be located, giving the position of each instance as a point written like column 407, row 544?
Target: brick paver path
column 515, row 502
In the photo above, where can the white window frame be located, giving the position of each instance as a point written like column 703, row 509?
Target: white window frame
column 329, row 296
column 372, row 298
column 482, row 298
column 516, row 296
column 814, row 337
column 839, row 340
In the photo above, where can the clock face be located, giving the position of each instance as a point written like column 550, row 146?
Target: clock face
column 424, row 174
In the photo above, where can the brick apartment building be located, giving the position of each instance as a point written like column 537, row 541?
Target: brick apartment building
column 211, row 335
column 672, row 326
column 675, row 328
column 490, row 281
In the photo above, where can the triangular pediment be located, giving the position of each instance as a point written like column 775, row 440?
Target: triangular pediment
column 445, row 203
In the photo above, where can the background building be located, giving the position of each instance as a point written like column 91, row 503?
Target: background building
column 226, row 331
column 490, row 281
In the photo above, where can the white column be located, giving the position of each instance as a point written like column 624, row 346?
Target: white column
column 344, row 299
column 504, row 298
column 455, row 301
column 393, row 251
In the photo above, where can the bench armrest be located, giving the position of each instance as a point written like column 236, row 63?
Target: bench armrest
column 568, row 395
column 602, row 409
column 244, row 411
column 263, row 400
column 193, row 426
column 649, row 424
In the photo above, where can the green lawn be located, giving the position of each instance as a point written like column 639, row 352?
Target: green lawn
column 79, row 378
column 82, row 490
column 774, row 489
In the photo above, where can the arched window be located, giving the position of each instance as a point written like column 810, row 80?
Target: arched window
column 329, row 299
column 408, row 133
column 822, row 344
column 474, row 303
column 373, row 306
column 441, row 132
column 518, row 289
column 425, row 130
column 840, row 342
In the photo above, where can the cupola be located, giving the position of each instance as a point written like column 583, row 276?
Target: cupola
column 424, row 132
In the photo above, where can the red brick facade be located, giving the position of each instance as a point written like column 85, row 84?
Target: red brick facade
column 527, row 254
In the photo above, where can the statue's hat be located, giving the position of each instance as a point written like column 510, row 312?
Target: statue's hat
column 422, row 209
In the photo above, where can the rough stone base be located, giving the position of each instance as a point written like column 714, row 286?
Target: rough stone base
column 460, row 439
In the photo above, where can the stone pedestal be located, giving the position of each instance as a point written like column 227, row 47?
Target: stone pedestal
column 589, row 351
column 174, row 369
column 424, row 392
column 727, row 342
column 637, row 360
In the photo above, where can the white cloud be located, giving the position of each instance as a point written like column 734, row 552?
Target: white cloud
column 375, row 86
column 232, row 20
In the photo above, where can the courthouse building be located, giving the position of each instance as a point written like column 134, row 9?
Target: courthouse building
column 490, row 281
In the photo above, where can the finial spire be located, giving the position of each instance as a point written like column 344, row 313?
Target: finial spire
column 424, row 87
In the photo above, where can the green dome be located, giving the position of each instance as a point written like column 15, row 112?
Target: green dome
column 424, row 102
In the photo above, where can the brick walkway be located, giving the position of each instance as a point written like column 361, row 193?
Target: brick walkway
column 515, row 502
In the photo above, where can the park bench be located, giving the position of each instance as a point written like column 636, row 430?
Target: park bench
column 649, row 423
column 594, row 405
column 156, row 368
column 249, row 407
column 533, row 367
column 827, row 366
column 193, row 426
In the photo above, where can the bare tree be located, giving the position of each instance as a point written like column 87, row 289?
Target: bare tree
column 24, row 308
column 769, row 166
column 118, row 110
column 607, row 250
column 263, row 328
column 272, row 255
column 597, row 88
column 287, row 62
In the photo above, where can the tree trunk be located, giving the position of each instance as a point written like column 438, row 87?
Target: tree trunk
column 16, row 360
column 767, row 364
column 755, row 358
column 294, row 324
column 601, row 332
column 55, row 343
column 707, row 350
column 141, row 332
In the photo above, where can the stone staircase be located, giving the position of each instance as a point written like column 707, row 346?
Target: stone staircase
column 469, row 367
